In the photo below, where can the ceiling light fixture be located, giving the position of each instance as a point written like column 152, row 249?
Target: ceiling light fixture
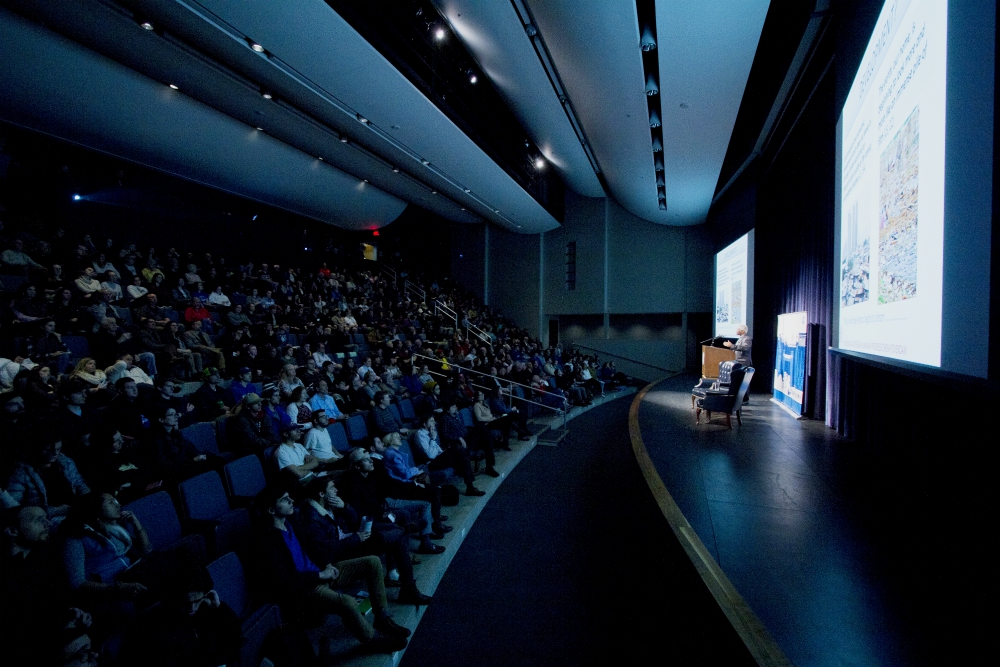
column 652, row 88
column 395, row 170
column 146, row 25
column 362, row 119
column 266, row 95
column 648, row 41
column 425, row 162
column 434, row 192
column 260, row 129
column 657, row 145
column 539, row 164
column 343, row 140
column 256, row 47
column 174, row 87
column 659, row 180
column 319, row 157
column 473, row 79
column 439, row 34
column 654, row 118
column 365, row 180
column 658, row 163
column 468, row 191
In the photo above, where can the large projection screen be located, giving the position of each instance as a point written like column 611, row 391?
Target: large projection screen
column 914, row 188
column 734, row 287
column 892, row 187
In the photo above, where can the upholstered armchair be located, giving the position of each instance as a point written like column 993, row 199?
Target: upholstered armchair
column 728, row 400
column 721, row 383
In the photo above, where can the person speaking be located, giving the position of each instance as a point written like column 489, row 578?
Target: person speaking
column 742, row 346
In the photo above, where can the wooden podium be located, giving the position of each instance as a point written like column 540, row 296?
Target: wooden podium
column 711, row 357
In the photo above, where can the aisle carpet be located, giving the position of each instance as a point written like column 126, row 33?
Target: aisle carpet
column 572, row 563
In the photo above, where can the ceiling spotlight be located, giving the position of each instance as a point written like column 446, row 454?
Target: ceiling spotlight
column 395, row 170
column 146, row 25
column 320, row 158
column 463, row 209
column 174, row 87
column 654, row 118
column 343, row 140
column 657, row 145
column 539, row 163
column 78, row 198
column 473, row 79
column 365, row 180
column 467, row 191
column 434, row 192
column 256, row 47
column 425, row 162
column 648, row 42
column 652, row 88
column 266, row 95
column 439, row 34
column 663, row 204
column 260, row 129
column 659, row 180
column 362, row 119
column 658, row 163
column 498, row 211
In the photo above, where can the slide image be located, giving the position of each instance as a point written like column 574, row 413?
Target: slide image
column 736, row 312
column 722, row 309
column 854, row 269
column 897, row 226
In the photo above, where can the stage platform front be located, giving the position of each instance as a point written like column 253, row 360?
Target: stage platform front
column 788, row 511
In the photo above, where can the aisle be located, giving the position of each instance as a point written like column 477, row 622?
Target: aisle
column 572, row 563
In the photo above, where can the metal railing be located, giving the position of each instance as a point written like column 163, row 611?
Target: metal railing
column 629, row 359
column 389, row 272
column 415, row 289
column 440, row 308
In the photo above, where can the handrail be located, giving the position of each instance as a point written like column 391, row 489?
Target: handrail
column 634, row 361
column 479, row 333
column 392, row 272
column 413, row 287
column 438, row 306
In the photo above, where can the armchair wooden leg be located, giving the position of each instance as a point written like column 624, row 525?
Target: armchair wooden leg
column 697, row 416
column 738, row 420
column 692, row 400
column 729, row 421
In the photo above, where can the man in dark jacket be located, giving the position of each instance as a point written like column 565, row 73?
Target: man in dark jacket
column 331, row 531
column 293, row 580
column 171, row 456
column 210, row 400
column 251, row 431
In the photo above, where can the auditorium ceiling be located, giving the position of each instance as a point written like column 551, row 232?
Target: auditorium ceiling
column 289, row 104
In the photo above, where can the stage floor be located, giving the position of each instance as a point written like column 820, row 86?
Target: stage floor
column 782, row 507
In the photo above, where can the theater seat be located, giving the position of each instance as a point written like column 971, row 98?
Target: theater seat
column 257, row 622
column 338, row 437
column 244, row 480
column 157, row 515
column 356, row 429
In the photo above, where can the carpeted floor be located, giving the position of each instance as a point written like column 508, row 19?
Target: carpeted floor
column 571, row 563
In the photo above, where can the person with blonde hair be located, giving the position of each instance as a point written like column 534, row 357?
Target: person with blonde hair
column 87, row 370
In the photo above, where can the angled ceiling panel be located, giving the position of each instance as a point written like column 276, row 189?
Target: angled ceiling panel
column 116, row 110
column 493, row 32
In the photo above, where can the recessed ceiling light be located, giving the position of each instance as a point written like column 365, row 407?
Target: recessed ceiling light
column 174, row 87
column 467, row 190
column 395, row 170
column 256, row 47
column 320, row 158
column 426, row 162
column 260, row 129
column 365, row 180
column 362, row 119
column 434, row 192
column 266, row 95
column 463, row 209
column 498, row 211
column 539, row 163
column 343, row 140
column 146, row 25
column 439, row 34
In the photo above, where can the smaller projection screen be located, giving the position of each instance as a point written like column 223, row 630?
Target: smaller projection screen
column 790, row 361
column 734, row 287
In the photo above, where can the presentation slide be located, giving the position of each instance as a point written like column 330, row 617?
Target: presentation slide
column 790, row 360
column 734, row 286
column 892, row 188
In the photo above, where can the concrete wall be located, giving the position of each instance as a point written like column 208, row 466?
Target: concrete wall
column 624, row 266
column 468, row 257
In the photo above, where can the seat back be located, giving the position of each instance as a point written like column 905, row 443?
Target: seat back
column 233, row 532
column 356, row 429
column 203, row 497
column 244, row 477
column 338, row 437
column 202, row 436
column 220, row 429
column 465, row 414
column 407, row 411
column 229, row 581
column 394, row 409
column 744, row 387
column 726, row 371
column 157, row 515
column 77, row 345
